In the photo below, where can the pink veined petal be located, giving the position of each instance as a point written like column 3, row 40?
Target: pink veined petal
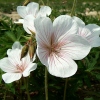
column 22, row 11
column 43, row 54
column 14, row 58
column 11, row 77
column 26, row 61
column 6, row 65
column 44, row 30
column 29, row 24
column 79, row 21
column 61, row 66
column 32, row 8
column 74, row 46
column 84, row 32
column 44, row 11
column 30, row 67
column 64, row 24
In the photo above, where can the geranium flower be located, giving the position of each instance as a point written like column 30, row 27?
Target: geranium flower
column 31, row 11
column 58, row 45
column 90, row 32
column 14, row 67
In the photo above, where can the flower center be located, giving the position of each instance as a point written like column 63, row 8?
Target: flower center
column 20, row 68
column 54, row 49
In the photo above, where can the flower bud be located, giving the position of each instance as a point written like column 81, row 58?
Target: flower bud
column 24, row 50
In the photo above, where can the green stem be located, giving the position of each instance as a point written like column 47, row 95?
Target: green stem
column 47, row 2
column 66, row 81
column 26, row 84
column 73, row 8
column 4, row 98
column 46, row 84
column 42, row 2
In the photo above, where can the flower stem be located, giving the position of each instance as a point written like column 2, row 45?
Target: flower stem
column 46, row 83
column 66, row 81
column 26, row 84
column 4, row 98
column 73, row 8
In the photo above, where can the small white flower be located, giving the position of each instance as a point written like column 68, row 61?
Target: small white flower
column 14, row 67
column 29, row 13
column 90, row 32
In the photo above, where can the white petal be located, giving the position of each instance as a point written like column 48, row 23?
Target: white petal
column 94, row 38
column 44, row 30
column 16, row 45
column 91, row 34
column 94, row 28
column 32, row 8
column 22, row 11
column 61, row 66
column 79, row 21
column 11, row 77
column 44, row 11
column 43, row 54
column 74, row 46
column 20, row 21
column 29, row 24
column 64, row 24
column 84, row 32
column 30, row 67
column 6, row 65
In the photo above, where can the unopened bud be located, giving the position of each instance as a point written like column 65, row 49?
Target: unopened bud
column 24, row 51
column 31, row 50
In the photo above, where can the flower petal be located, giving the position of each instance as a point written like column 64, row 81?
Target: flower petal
column 29, row 24
column 94, row 38
column 32, row 8
column 74, row 46
column 22, row 11
column 30, row 67
column 79, row 21
column 94, row 28
column 11, row 77
column 16, row 45
column 43, row 54
column 64, row 24
column 61, row 66
column 44, row 11
column 6, row 65
column 44, row 30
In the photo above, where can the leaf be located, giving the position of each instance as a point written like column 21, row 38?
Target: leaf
column 11, row 36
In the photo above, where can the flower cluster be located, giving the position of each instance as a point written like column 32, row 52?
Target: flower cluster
column 59, row 43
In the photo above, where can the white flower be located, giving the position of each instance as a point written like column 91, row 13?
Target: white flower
column 90, row 32
column 58, row 45
column 14, row 67
column 29, row 13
